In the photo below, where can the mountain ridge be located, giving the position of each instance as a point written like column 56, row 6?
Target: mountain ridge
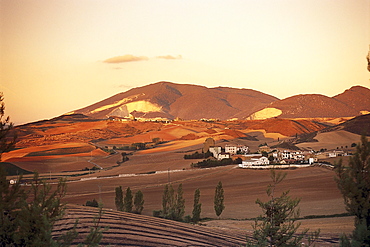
column 168, row 100
column 186, row 101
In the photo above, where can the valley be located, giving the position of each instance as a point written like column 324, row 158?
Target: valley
column 88, row 152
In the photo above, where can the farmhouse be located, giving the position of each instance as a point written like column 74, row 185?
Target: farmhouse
column 262, row 161
column 223, row 155
column 215, row 151
column 291, row 155
column 234, row 149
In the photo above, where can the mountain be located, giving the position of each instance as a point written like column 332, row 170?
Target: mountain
column 171, row 100
column 356, row 97
column 352, row 102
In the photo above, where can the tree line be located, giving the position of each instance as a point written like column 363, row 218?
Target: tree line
column 214, row 163
column 198, row 155
column 129, row 203
column 173, row 203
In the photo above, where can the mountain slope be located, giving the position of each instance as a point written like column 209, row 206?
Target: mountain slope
column 188, row 102
column 356, row 97
column 171, row 100
column 352, row 102
column 359, row 125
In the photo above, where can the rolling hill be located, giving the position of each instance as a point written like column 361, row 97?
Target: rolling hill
column 190, row 102
column 171, row 100
column 352, row 102
column 359, row 125
column 357, row 98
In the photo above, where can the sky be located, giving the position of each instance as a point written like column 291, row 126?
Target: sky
column 59, row 56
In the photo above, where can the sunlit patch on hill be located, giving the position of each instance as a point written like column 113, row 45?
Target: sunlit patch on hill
column 265, row 113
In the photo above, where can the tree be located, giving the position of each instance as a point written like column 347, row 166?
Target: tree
column 354, row 183
column 238, row 161
column 219, row 199
column 93, row 203
column 167, row 200
column 277, row 226
column 127, row 201
column 197, row 207
column 173, row 206
column 11, row 203
column 96, row 231
column 368, row 60
column 179, row 206
column 27, row 217
column 7, row 142
column 271, row 158
column 139, row 202
column 39, row 215
column 119, row 198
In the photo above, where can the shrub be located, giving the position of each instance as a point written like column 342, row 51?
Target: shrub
column 157, row 213
column 93, row 203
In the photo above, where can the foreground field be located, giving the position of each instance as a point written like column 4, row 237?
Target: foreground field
column 315, row 186
column 126, row 229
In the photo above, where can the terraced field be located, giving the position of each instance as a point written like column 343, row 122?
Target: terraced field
column 126, row 229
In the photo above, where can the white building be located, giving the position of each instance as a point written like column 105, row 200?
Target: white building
column 215, row 151
column 255, row 162
column 243, row 149
column 223, row 155
column 233, row 149
column 291, row 155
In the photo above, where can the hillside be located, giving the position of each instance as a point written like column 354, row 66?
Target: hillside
column 359, row 125
column 308, row 106
column 190, row 102
column 353, row 102
column 171, row 100
column 356, row 97
column 78, row 128
column 138, row 230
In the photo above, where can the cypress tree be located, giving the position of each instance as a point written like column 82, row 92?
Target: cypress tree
column 119, row 198
column 139, row 202
column 127, row 201
column 197, row 207
column 179, row 206
column 168, row 201
column 165, row 199
column 219, row 199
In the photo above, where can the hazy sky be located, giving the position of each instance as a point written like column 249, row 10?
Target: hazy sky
column 58, row 56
